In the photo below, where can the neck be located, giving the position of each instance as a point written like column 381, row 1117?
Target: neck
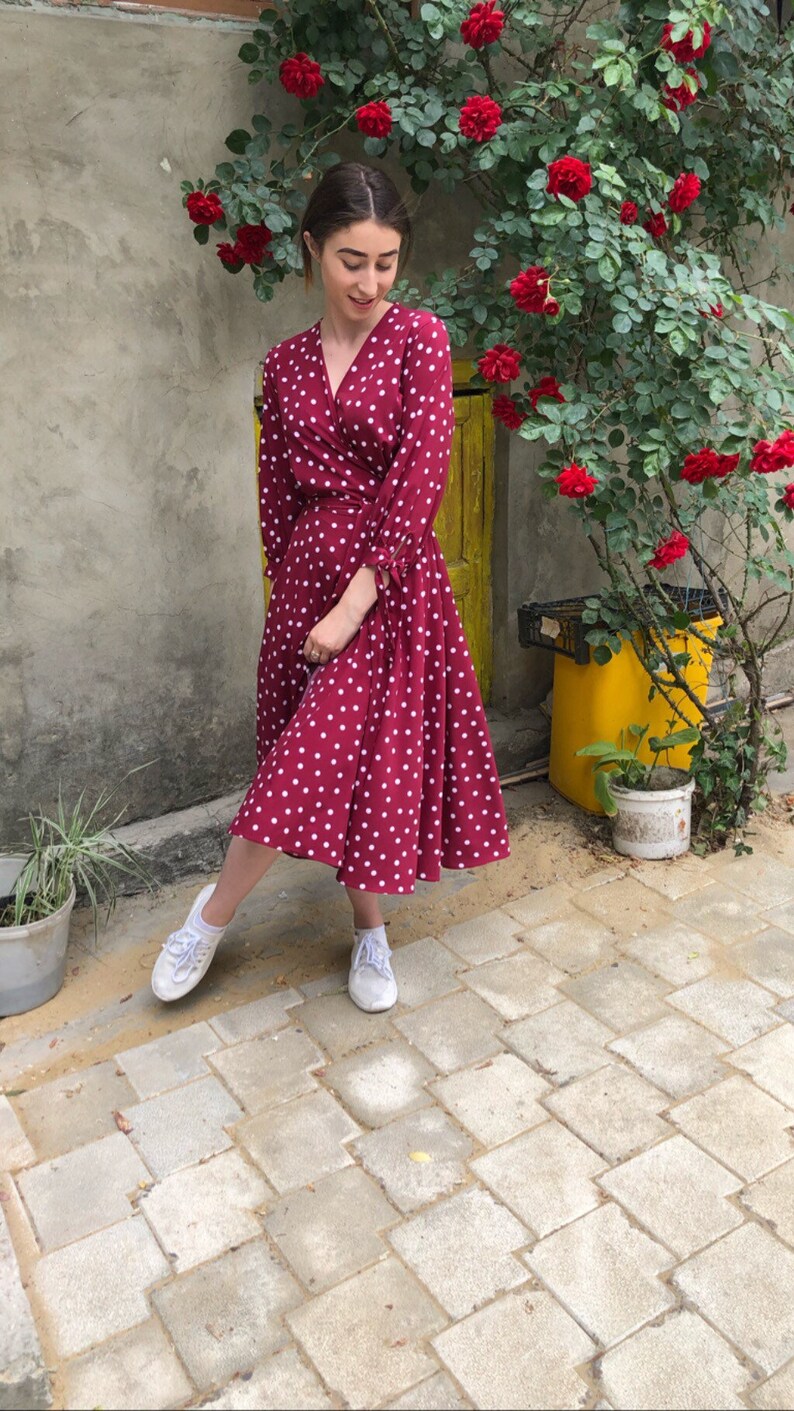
column 343, row 330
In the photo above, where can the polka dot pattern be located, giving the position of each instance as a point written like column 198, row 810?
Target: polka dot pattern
column 378, row 762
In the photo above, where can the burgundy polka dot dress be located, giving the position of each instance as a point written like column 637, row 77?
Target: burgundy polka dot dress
column 377, row 762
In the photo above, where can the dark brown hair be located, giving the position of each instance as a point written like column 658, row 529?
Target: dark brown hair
column 349, row 192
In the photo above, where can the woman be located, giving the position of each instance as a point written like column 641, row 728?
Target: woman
column 373, row 749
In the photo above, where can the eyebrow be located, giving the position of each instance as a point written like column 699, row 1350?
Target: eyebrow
column 346, row 250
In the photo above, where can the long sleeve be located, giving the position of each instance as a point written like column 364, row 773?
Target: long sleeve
column 280, row 500
column 413, row 487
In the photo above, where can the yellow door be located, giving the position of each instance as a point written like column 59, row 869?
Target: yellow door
column 464, row 521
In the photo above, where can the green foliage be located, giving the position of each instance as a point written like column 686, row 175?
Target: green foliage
column 618, row 764
column 650, row 373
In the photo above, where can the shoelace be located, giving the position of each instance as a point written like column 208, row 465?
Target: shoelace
column 372, row 952
column 190, row 949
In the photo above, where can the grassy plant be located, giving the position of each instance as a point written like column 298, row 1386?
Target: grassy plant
column 71, row 848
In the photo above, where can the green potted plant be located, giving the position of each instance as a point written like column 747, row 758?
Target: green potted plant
column 39, row 879
column 650, row 804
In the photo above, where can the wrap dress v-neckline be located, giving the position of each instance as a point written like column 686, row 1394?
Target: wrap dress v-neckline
column 378, row 762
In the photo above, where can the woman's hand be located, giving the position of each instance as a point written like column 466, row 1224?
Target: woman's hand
column 331, row 634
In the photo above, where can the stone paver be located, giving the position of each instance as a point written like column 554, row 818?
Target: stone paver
column 772, row 1198
column 182, row 1126
column 435, row 1394
column 15, row 1149
column 453, row 1032
column 677, row 1193
column 626, row 1291
column 383, row 1082
column 560, row 1172
column 519, row 985
column 329, row 1021
column 138, row 1368
column 673, row 1054
column 614, row 1110
column 776, row 1394
column 494, row 1100
column 73, row 1110
column 745, row 1129
column 573, row 942
column 545, row 1177
column 225, row 1317
column 622, row 995
column 676, row 952
column 74, row 1284
column 55, row 1191
column 734, row 1010
column 719, row 911
column 168, row 1062
column 364, row 1335
column 533, row 1348
column 561, row 1043
column 768, row 958
column 299, row 1141
column 274, row 1068
column 261, row 1016
column 198, row 1213
column 23, row 1376
column 423, row 971
column 770, row 1063
column 282, row 1383
column 682, row 1363
column 417, row 1158
column 742, row 1285
column 332, row 1229
column 484, row 938
column 626, row 906
column 462, row 1250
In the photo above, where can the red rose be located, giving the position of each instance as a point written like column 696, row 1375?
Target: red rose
column 551, row 308
column 686, row 189
column 788, row 496
column 484, row 24
column 707, row 465
column 229, row 256
column 769, row 457
column 251, row 243
column 679, row 98
column 628, row 213
column 656, row 224
column 204, row 207
column 575, row 482
column 547, row 387
column 479, row 118
column 301, row 75
column 530, row 289
column 669, row 550
column 374, row 119
column 569, row 177
column 682, row 49
column 505, row 410
column 501, row 363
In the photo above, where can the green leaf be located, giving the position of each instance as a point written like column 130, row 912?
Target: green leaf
column 249, row 53
column 201, row 234
column 604, row 795
column 238, row 140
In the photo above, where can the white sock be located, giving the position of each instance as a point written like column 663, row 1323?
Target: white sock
column 205, row 925
column 379, row 931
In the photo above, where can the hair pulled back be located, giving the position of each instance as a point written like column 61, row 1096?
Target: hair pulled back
column 350, row 192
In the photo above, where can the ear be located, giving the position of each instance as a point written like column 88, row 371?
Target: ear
column 310, row 245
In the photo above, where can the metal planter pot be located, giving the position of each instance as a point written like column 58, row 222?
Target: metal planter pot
column 32, row 957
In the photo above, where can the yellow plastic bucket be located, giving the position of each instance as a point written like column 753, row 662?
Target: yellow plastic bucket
column 593, row 702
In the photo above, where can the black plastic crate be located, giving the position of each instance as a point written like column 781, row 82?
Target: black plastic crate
column 698, row 602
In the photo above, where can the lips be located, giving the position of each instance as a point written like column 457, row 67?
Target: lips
column 362, row 303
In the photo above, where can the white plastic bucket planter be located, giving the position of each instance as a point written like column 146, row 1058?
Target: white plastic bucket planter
column 32, row 957
column 654, row 823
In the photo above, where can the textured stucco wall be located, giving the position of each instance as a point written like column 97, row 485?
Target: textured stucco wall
column 132, row 603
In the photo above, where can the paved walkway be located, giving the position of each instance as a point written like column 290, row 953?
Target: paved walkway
column 559, row 1174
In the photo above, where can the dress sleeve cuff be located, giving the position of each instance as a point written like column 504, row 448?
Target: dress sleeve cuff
column 395, row 561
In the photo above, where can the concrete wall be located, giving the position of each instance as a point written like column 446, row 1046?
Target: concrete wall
column 132, row 602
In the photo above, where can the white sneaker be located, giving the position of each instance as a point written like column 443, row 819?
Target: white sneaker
column 187, row 954
column 371, row 984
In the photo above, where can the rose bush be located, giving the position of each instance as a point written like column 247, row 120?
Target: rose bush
column 628, row 171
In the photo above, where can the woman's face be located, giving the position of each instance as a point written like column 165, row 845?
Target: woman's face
column 358, row 266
